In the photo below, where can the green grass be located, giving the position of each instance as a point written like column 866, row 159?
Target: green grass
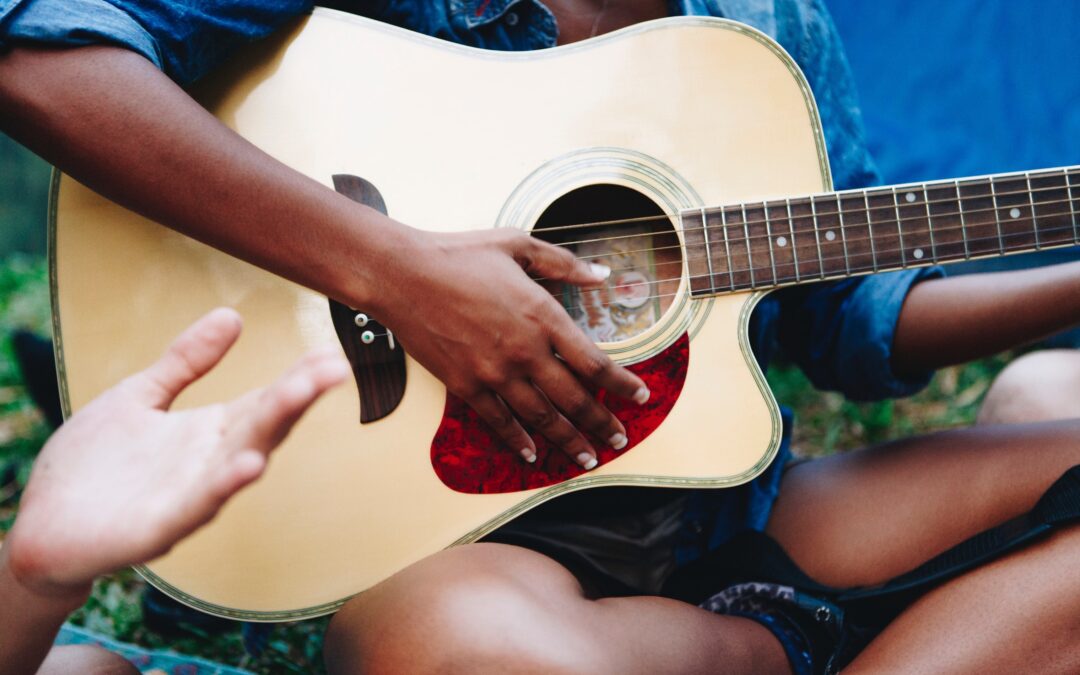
column 826, row 424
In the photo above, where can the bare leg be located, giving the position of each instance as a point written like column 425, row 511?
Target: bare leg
column 1035, row 387
column 86, row 660
column 868, row 516
column 1020, row 614
column 502, row 609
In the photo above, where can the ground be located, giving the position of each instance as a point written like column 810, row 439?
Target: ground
column 826, row 424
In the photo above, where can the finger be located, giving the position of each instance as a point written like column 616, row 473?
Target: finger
column 592, row 364
column 189, row 357
column 578, row 405
column 497, row 416
column 271, row 413
column 537, row 411
column 240, row 469
column 542, row 259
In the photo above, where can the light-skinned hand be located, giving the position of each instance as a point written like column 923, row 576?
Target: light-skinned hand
column 125, row 478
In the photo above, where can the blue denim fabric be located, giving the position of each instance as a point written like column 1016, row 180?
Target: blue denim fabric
column 841, row 334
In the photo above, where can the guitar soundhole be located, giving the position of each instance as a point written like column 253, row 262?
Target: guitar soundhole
column 625, row 230
column 629, row 233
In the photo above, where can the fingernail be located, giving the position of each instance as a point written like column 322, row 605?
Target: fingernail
column 528, row 455
column 641, row 396
column 617, row 441
column 587, row 461
column 602, row 271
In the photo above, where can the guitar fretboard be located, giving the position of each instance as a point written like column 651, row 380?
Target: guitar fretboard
column 772, row 243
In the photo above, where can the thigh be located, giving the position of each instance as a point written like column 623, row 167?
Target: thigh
column 1017, row 614
column 865, row 517
column 498, row 608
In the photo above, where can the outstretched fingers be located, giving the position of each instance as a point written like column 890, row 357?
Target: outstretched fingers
column 266, row 416
column 190, row 356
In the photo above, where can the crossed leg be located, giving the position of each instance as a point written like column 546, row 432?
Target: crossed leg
column 853, row 519
column 865, row 517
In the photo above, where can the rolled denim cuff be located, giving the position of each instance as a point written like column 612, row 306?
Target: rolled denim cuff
column 72, row 23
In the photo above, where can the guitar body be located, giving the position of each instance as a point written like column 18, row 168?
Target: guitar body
column 685, row 112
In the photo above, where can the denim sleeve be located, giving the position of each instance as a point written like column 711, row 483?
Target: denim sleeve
column 185, row 38
column 841, row 334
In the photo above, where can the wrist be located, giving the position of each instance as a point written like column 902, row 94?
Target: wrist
column 371, row 282
column 23, row 577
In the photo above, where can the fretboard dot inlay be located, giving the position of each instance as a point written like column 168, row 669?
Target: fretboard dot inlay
column 910, row 197
column 1014, row 213
column 830, row 235
column 918, row 254
column 781, row 241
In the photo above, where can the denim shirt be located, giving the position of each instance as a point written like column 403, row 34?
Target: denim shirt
column 841, row 334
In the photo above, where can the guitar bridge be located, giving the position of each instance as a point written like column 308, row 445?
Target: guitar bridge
column 378, row 362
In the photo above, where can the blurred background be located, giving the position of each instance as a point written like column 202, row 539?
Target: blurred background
column 949, row 89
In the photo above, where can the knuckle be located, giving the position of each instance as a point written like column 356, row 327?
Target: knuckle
column 543, row 418
column 594, row 365
column 493, row 377
column 466, row 390
column 580, row 406
column 501, row 421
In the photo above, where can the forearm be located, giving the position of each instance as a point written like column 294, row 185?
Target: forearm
column 110, row 119
column 28, row 622
column 956, row 319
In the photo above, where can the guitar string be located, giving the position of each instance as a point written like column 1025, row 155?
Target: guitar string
column 737, row 216
column 844, row 238
column 826, row 197
column 810, row 278
column 930, row 258
column 854, row 270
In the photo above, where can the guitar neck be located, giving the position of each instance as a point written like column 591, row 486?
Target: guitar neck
column 762, row 245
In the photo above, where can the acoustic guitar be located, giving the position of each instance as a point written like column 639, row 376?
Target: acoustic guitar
column 702, row 191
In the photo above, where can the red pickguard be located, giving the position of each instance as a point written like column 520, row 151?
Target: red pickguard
column 467, row 458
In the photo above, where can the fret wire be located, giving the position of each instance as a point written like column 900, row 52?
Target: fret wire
column 679, row 246
column 1031, row 201
column 929, row 225
column 749, row 254
column 666, row 217
column 794, row 248
column 963, row 227
column 1020, row 249
column 817, row 239
column 1069, row 195
column 899, row 229
column 997, row 217
column 870, row 229
column 727, row 247
column 768, row 233
column 843, row 237
column 708, row 249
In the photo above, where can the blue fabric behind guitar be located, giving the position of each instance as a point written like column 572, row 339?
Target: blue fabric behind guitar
column 967, row 87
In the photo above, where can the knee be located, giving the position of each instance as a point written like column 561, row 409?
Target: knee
column 1036, row 387
column 88, row 659
column 478, row 608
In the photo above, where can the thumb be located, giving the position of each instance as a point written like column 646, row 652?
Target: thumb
column 542, row 259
